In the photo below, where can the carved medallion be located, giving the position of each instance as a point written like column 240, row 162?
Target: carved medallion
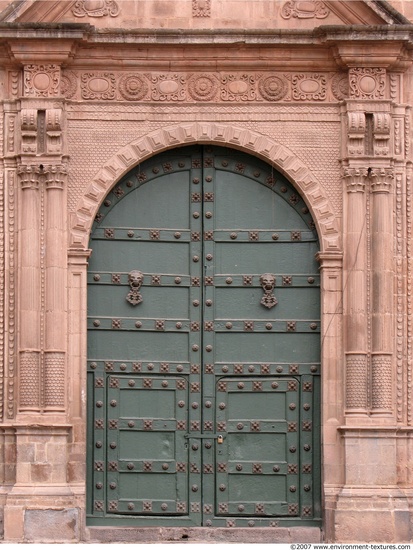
column 367, row 83
column 304, row 10
column 339, row 86
column 309, row 87
column 95, row 8
column 133, row 87
column 41, row 80
column 98, row 85
column 273, row 88
column 238, row 87
column 168, row 87
column 201, row 8
column 68, row 84
column 203, row 87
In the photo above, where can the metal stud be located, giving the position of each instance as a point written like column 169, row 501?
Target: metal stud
column 165, row 466
column 233, row 236
column 209, row 257
column 222, row 406
column 240, row 426
column 251, row 368
column 225, row 368
column 122, row 366
column 96, row 277
column 241, row 385
column 208, row 303
column 311, row 280
column 113, row 445
column 96, row 323
column 238, row 467
column 307, row 447
column 275, row 468
column 99, row 404
column 138, row 324
column 179, row 368
column 313, row 326
column 292, row 449
column 131, row 424
column 195, row 215
column 268, row 326
column 293, row 488
column 292, row 406
column 208, row 348
column 99, row 485
column 208, row 404
column 131, row 506
column 228, row 280
column 178, row 325
column 194, row 488
column 307, row 488
column 208, row 215
column 275, row 236
column 195, row 347
column 98, row 444
column 195, row 259
column 195, row 303
column 241, row 508
column 177, row 235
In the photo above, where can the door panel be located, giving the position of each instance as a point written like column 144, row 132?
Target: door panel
column 203, row 402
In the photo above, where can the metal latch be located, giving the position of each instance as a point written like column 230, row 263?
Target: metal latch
column 218, row 437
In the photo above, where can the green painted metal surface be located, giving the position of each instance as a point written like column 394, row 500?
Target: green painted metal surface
column 203, row 379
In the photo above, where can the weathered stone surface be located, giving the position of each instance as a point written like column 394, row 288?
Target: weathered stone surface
column 51, row 525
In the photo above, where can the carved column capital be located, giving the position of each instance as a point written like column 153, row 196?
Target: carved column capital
column 381, row 180
column 55, row 176
column 355, row 179
column 29, row 176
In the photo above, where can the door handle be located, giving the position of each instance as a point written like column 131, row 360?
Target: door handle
column 219, row 437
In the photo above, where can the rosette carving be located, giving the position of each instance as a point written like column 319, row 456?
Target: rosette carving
column 133, row 87
column 203, row 87
column 273, row 88
column 339, row 86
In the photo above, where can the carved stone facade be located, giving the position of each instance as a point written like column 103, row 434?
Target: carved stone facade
column 103, row 85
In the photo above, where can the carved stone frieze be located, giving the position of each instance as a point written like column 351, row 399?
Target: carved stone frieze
column 95, row 8
column 201, row 8
column 304, row 10
column 367, row 83
column 192, row 87
column 41, row 80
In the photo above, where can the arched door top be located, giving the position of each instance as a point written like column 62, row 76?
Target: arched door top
column 243, row 139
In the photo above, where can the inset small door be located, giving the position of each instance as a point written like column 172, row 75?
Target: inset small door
column 203, row 347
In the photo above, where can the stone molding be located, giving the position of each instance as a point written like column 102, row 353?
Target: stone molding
column 221, row 134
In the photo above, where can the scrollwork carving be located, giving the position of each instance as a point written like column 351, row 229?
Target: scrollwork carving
column 98, row 85
column 309, row 87
column 41, row 80
column 95, row 8
column 367, row 83
column 304, row 10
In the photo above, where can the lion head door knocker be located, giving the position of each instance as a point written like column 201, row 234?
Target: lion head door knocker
column 267, row 281
column 135, row 280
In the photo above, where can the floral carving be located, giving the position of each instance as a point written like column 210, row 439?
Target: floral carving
column 304, row 10
column 95, row 8
column 273, row 88
column 367, row 83
column 203, row 87
column 41, row 80
column 309, row 87
column 339, row 86
column 201, row 8
column 133, row 87
column 98, row 85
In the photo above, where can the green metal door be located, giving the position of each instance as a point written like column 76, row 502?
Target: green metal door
column 203, row 347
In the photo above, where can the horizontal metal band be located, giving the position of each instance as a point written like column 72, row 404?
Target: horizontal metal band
column 136, row 367
column 149, row 279
column 142, row 234
column 256, row 235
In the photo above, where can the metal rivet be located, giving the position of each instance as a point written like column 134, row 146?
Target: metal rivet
column 131, row 423
column 222, row 487
column 251, row 523
column 130, row 466
column 195, row 259
column 178, row 280
column 275, row 468
column 194, row 405
column 178, row 325
column 208, row 348
column 228, row 326
column 208, row 178
column 165, row 383
column 98, row 444
column 177, row 235
column 96, row 277
column 179, row 368
column 208, row 523
column 240, row 385
column 307, row 447
column 313, row 326
column 251, row 368
column 209, row 257
column 307, row 488
column 225, row 368
column 241, row 508
column 268, row 326
column 131, row 383
column 107, row 203
column 306, row 406
column 112, row 445
column 222, row 406
column 195, row 180
column 113, row 403
column 279, row 369
column 96, row 323
column 93, row 365
column 275, row 236
column 233, row 236
column 240, row 426
column 208, row 404
column 151, row 366
column 208, row 445
column 195, row 447
column 208, row 303
column 122, row 366
column 138, row 324
column 165, row 466
column 195, row 303
column 194, row 488
column 292, row 406
column 195, row 347
column 195, row 215
column 311, row 280
column 181, row 404
column 293, row 449
column 99, row 404
column 113, row 485
column 238, row 467
column 293, row 488
column 99, row 485
column 131, row 234
column 208, row 215
column 164, row 506
column 313, row 368
column 131, row 506
column 274, row 385
column 228, row 280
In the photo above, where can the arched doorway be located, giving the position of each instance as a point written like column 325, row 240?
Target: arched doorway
column 203, row 347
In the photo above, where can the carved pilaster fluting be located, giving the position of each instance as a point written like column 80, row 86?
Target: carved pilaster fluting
column 29, row 291
column 356, row 292
column 55, row 273
column 382, row 288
